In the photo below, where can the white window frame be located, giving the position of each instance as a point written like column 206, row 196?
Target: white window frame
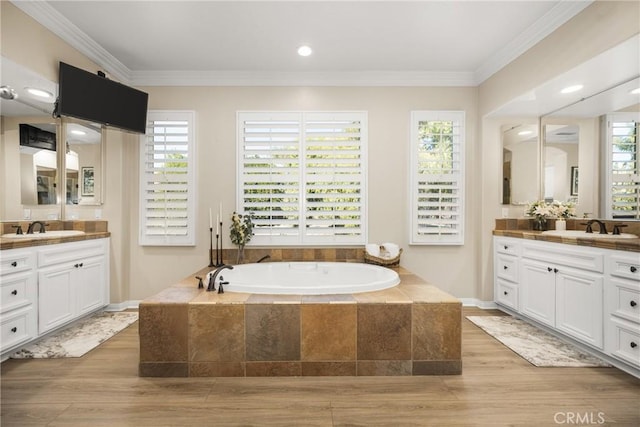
column 618, row 181
column 167, row 234
column 442, row 229
column 306, row 226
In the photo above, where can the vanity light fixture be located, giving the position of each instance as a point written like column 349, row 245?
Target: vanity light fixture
column 40, row 93
column 304, row 50
column 571, row 89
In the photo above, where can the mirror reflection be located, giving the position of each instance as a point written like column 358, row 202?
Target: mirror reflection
column 38, row 164
column 519, row 163
column 561, row 162
column 83, row 163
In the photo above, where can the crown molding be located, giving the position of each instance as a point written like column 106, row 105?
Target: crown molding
column 273, row 78
column 55, row 22
column 51, row 19
column 544, row 26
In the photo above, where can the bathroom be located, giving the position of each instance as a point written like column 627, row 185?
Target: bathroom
column 465, row 271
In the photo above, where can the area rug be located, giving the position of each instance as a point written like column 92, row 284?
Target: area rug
column 534, row 345
column 79, row 338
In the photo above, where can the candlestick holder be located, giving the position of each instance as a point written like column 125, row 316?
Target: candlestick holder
column 221, row 261
column 211, row 247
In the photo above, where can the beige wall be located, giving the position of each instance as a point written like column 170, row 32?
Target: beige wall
column 465, row 271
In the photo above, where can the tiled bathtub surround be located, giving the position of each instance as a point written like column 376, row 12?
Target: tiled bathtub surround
column 412, row 329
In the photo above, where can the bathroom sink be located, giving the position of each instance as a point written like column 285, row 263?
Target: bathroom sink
column 584, row 235
column 48, row 235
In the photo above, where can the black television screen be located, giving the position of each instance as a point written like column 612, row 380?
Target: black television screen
column 91, row 97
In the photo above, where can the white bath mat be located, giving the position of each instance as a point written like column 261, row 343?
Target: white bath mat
column 534, row 345
column 79, row 338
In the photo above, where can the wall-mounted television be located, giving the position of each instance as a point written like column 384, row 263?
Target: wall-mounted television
column 95, row 98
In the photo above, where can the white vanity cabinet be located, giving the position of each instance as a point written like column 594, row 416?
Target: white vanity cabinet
column 72, row 279
column 623, row 307
column 507, row 262
column 45, row 287
column 18, row 297
column 562, row 287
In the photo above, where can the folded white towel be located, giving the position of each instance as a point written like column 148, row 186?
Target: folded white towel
column 373, row 249
column 392, row 249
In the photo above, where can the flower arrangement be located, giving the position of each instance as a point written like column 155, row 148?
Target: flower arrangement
column 555, row 209
column 241, row 228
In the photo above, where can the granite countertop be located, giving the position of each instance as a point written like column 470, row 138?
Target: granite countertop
column 92, row 230
column 631, row 245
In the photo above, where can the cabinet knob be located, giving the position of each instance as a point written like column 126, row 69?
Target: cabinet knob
column 505, row 267
column 78, row 265
column 506, row 247
column 633, row 269
column 14, row 330
column 633, row 303
column 506, row 293
column 555, row 270
column 549, row 269
column 633, row 345
column 15, row 292
column 14, row 264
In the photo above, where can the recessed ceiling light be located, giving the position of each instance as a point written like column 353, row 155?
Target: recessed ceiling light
column 78, row 132
column 571, row 89
column 40, row 93
column 525, row 132
column 304, row 51
column 635, row 91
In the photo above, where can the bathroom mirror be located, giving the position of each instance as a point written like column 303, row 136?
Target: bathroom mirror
column 38, row 166
column 83, row 162
column 560, row 162
column 519, row 163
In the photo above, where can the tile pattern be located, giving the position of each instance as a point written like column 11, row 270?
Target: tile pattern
column 412, row 329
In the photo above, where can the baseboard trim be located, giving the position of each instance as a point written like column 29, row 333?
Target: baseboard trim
column 474, row 302
column 121, row 306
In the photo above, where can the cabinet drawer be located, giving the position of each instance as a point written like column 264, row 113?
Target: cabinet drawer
column 626, row 342
column 17, row 328
column 16, row 261
column 507, row 267
column 561, row 254
column 507, row 294
column 625, row 266
column 69, row 252
column 17, row 290
column 507, row 246
column 625, row 300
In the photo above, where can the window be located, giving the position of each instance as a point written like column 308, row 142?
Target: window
column 437, row 179
column 622, row 190
column 167, row 183
column 303, row 176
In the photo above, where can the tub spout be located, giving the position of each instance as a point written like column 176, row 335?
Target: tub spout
column 214, row 275
column 263, row 258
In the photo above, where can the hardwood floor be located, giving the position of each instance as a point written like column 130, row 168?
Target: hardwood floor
column 497, row 388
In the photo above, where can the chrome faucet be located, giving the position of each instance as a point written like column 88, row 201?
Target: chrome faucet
column 31, row 226
column 603, row 227
column 213, row 276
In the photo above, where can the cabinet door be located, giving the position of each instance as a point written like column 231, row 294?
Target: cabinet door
column 538, row 291
column 579, row 305
column 56, row 299
column 90, row 284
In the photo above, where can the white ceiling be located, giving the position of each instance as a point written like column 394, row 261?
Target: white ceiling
column 255, row 42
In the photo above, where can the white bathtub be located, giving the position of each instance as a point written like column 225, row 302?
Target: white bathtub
column 308, row 278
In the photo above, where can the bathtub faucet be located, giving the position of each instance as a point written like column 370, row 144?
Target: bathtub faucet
column 263, row 258
column 214, row 275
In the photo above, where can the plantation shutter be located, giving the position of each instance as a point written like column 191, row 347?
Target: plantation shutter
column 269, row 174
column 167, row 187
column 302, row 175
column 437, row 178
column 623, row 186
